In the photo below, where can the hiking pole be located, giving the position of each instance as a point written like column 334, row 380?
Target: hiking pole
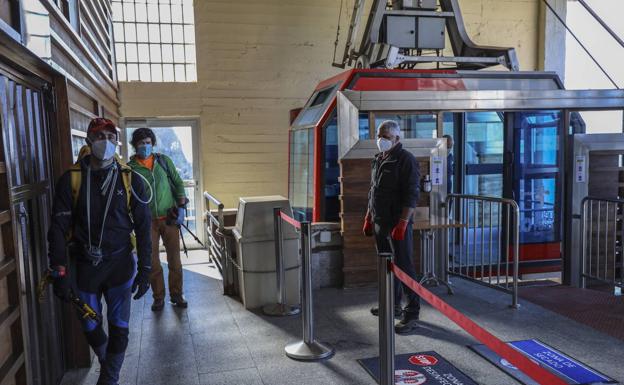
column 183, row 241
column 193, row 235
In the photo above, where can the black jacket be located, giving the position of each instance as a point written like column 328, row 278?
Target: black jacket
column 395, row 184
column 119, row 222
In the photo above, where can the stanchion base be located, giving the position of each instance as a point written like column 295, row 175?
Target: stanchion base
column 430, row 279
column 308, row 352
column 281, row 310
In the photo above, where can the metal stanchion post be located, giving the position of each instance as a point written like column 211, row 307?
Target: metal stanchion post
column 280, row 308
column 386, row 320
column 309, row 349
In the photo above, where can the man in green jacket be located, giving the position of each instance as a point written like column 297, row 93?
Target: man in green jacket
column 168, row 198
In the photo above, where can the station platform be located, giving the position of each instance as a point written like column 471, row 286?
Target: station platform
column 217, row 342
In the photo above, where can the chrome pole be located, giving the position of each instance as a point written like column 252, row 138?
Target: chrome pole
column 583, row 243
column 386, row 320
column 280, row 308
column 516, row 272
column 308, row 349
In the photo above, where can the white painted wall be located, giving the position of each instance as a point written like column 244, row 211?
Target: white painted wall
column 259, row 59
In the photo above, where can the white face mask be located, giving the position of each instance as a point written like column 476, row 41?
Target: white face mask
column 384, row 144
column 103, row 149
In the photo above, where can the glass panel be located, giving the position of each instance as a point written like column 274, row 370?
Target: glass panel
column 141, row 12
column 165, row 33
column 178, row 53
column 191, row 73
column 176, row 13
column 483, row 150
column 154, row 33
column 130, row 32
column 118, row 32
column 331, row 171
column 143, row 53
column 537, row 175
column 412, row 125
column 120, row 52
column 189, row 51
column 165, row 13
column 364, row 126
column 131, row 52
column 189, row 17
column 449, row 128
column 152, row 13
column 128, row 12
column 144, row 72
column 167, row 53
column 189, row 34
column 121, row 73
column 178, row 34
column 133, row 72
column 142, row 34
column 301, row 173
column 155, row 56
column 157, row 72
column 179, row 73
column 168, row 73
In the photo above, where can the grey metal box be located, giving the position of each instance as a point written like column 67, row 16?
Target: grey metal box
column 431, row 33
column 418, row 4
column 401, row 31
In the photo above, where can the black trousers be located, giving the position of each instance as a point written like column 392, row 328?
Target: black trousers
column 403, row 252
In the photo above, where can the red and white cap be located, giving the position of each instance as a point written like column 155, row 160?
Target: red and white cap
column 100, row 124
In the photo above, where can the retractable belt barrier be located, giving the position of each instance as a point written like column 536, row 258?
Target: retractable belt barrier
column 308, row 349
column 533, row 370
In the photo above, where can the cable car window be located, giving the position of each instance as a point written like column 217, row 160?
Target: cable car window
column 321, row 97
column 483, row 149
column 420, row 125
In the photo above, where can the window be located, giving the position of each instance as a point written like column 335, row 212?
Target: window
column 154, row 40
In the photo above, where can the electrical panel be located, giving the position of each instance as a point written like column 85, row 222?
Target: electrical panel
column 415, row 32
column 417, row 4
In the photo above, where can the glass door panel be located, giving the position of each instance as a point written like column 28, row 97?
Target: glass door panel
column 537, row 175
column 177, row 143
column 483, row 154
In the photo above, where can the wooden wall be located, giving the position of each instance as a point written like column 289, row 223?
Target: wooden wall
column 359, row 256
column 74, row 82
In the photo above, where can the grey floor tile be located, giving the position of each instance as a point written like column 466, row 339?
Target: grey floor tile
column 234, row 377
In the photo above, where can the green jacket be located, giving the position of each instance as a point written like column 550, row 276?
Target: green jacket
column 164, row 197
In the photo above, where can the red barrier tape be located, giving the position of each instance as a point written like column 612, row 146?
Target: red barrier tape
column 290, row 220
column 520, row 361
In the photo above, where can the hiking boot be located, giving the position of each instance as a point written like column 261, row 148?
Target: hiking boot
column 179, row 301
column 398, row 312
column 158, row 304
column 408, row 323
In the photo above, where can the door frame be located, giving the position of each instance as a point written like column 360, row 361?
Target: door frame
column 194, row 123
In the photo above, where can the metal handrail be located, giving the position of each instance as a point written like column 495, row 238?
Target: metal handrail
column 511, row 208
column 217, row 243
column 587, row 237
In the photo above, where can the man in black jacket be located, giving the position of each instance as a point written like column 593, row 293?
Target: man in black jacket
column 392, row 197
column 98, row 203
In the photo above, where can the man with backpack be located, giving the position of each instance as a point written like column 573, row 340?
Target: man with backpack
column 98, row 204
column 168, row 211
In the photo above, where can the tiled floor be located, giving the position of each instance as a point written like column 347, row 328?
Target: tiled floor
column 217, row 342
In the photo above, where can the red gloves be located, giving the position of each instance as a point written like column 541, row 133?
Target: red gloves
column 368, row 227
column 398, row 232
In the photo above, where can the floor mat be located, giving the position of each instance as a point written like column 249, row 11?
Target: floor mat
column 420, row 368
column 558, row 363
column 599, row 310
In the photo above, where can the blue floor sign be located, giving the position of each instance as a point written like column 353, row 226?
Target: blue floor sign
column 565, row 367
